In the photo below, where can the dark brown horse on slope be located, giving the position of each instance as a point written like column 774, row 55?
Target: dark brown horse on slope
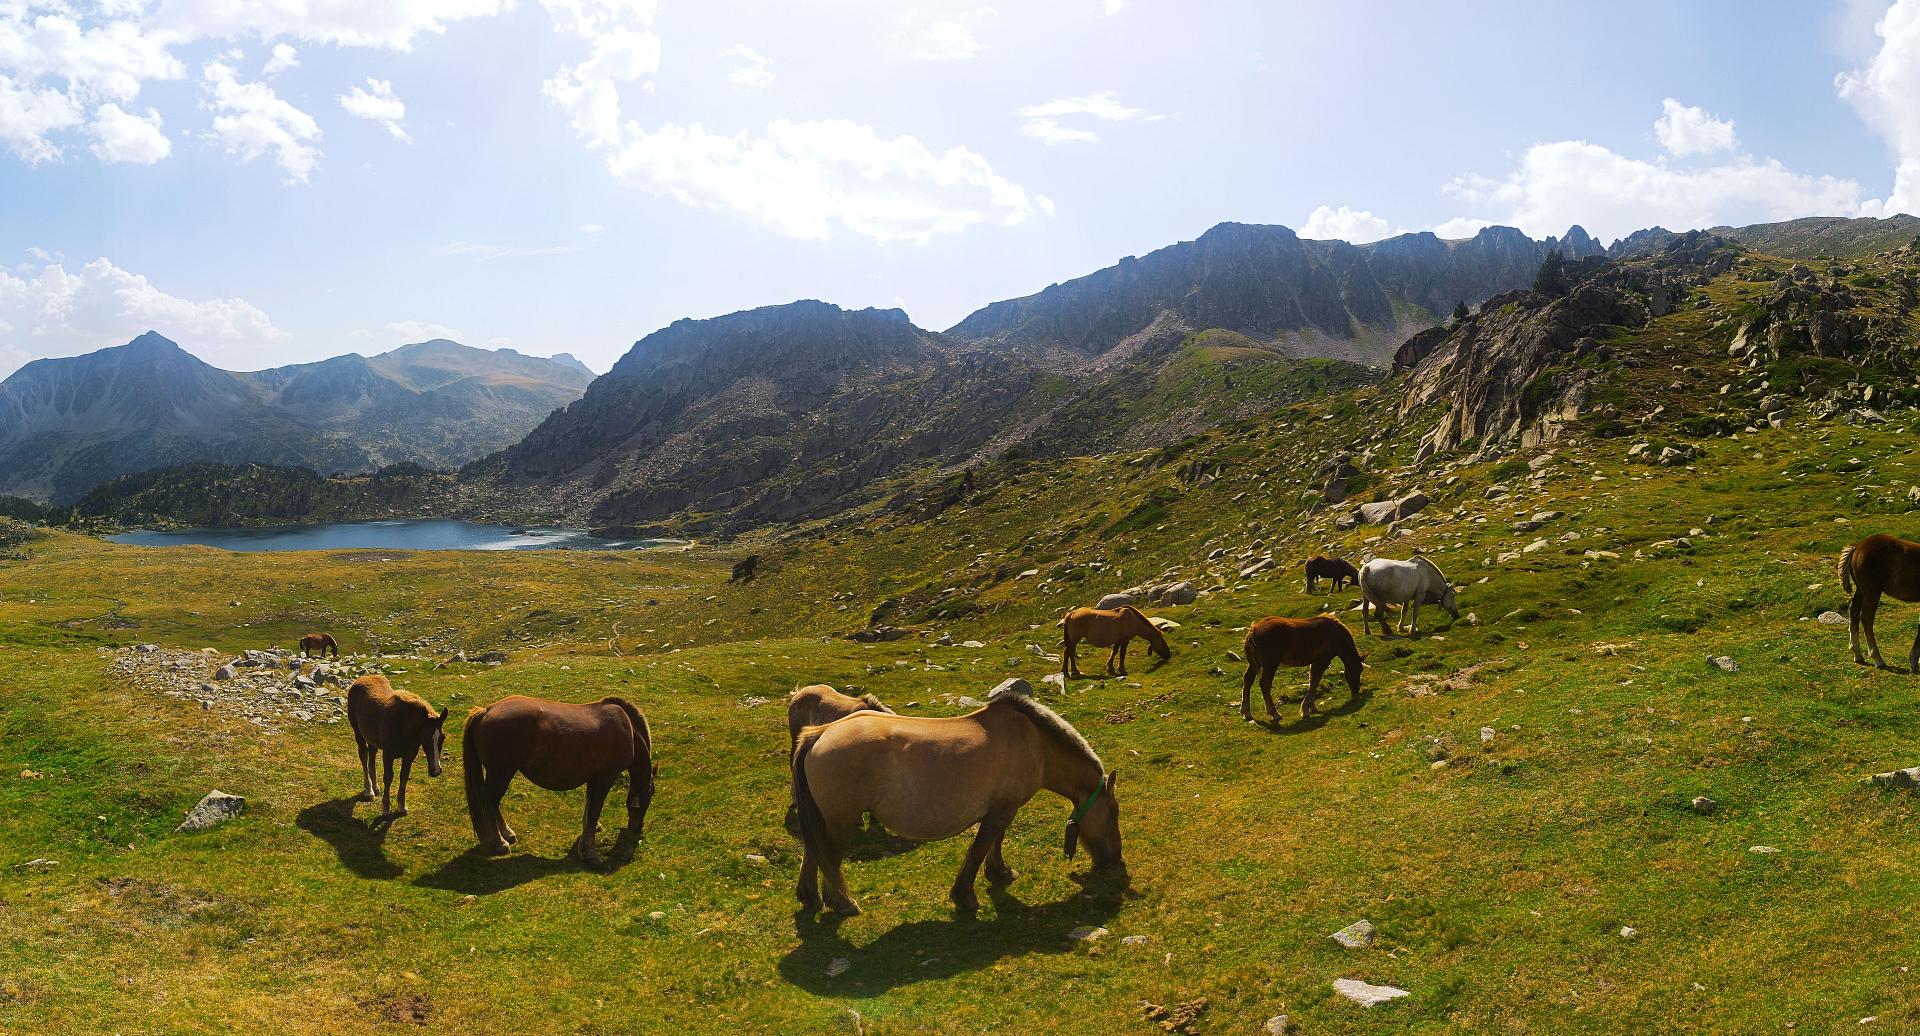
column 1322, row 567
column 1874, row 566
column 393, row 723
column 926, row 779
column 1110, row 628
column 559, row 746
column 320, row 643
column 1272, row 643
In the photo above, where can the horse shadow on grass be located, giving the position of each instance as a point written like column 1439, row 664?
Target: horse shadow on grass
column 477, row 874
column 1353, row 704
column 870, row 842
column 360, row 845
column 918, row 951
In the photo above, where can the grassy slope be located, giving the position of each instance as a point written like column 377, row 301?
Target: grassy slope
column 1499, row 881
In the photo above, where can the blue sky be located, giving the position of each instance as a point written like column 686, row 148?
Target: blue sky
column 269, row 182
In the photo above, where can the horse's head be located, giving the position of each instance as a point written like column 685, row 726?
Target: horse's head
column 642, row 795
column 874, row 704
column 1450, row 602
column 1156, row 640
column 434, row 741
column 1100, row 825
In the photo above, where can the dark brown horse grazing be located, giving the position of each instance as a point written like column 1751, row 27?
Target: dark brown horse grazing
column 1879, row 565
column 817, row 705
column 1111, row 628
column 320, row 642
column 1322, row 567
column 559, row 746
column 927, row 779
column 393, row 723
column 1272, row 643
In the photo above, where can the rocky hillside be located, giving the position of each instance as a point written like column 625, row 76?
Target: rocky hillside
column 66, row 425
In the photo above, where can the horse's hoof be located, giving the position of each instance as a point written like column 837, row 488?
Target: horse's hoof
column 1005, row 877
column 398, row 813
column 967, row 906
column 497, row 849
column 846, row 909
column 365, row 796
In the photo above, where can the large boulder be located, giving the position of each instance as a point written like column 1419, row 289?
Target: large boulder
column 1119, row 600
column 215, row 808
column 1380, row 512
column 1182, row 592
column 1411, row 504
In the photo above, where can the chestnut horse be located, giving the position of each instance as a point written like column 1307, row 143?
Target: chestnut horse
column 1879, row 565
column 926, row 779
column 393, row 723
column 1317, row 641
column 817, row 705
column 321, row 642
column 1110, row 628
column 559, row 746
column 1322, row 567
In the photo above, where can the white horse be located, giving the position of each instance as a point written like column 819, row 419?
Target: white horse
column 1407, row 583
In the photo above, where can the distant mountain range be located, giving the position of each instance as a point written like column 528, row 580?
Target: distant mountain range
column 69, row 424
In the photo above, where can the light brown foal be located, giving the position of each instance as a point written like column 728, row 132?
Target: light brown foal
column 927, row 779
column 393, row 723
column 1109, row 628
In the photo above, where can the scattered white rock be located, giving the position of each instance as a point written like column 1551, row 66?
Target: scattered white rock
column 1832, row 618
column 1366, row 994
column 1356, row 936
column 1134, row 940
column 1087, row 933
column 1723, row 663
column 1764, row 850
column 214, row 808
column 1704, row 805
column 838, row 966
column 39, row 863
column 1486, row 734
column 1278, row 1025
column 1628, row 932
column 1907, row 778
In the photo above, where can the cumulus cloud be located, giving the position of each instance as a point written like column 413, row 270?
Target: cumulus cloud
column 751, row 71
column 805, row 179
column 1113, row 6
column 589, row 92
column 948, row 38
column 391, row 24
column 592, row 17
column 1047, row 121
column 282, row 58
column 28, row 114
column 1887, row 94
column 53, row 312
column 1684, row 130
column 252, row 120
column 1461, row 226
column 421, row 331
column 107, row 60
column 1358, row 227
column 121, row 136
column 376, row 102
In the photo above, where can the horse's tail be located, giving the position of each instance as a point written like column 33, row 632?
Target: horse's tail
column 1846, row 570
column 479, row 810
column 813, row 826
column 1063, row 618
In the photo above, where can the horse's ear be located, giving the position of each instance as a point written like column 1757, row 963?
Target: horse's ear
column 1073, row 837
column 1112, row 776
column 656, row 769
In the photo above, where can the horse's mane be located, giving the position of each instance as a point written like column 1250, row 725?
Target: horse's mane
column 1435, row 567
column 1018, row 694
column 874, row 703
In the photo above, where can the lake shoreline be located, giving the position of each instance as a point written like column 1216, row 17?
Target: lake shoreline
column 398, row 534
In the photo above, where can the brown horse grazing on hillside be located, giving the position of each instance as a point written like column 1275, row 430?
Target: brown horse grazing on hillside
column 393, row 723
column 1274, row 642
column 926, row 779
column 1879, row 565
column 817, row 705
column 1111, row 628
column 320, row 642
column 1322, row 567
column 559, row 746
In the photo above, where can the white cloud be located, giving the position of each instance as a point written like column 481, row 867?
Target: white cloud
column 1461, row 226
column 391, row 24
column 1565, row 182
column 108, row 60
column 253, row 120
column 121, row 136
column 283, row 58
column 1684, row 130
column 56, row 313
column 805, row 179
column 499, row 343
column 589, row 92
column 1113, row 6
column 420, row 331
column 1043, row 122
column 377, row 103
column 592, row 17
column 947, row 41
column 486, row 252
column 1887, row 95
column 28, row 114
column 591, row 228
column 752, row 72
column 1344, row 224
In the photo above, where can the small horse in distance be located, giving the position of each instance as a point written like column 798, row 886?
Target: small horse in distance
column 817, row 705
column 1111, row 628
column 1874, row 566
column 1339, row 570
column 1317, row 641
column 745, row 569
column 559, row 746
column 927, row 779
column 1406, row 583
column 318, row 642
column 392, row 723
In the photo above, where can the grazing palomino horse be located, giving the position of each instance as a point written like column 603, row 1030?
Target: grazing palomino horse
column 391, row 723
column 817, row 705
column 1274, row 642
column 926, row 779
column 1111, row 628
column 559, row 746
column 320, row 642
column 1408, row 583
column 1339, row 570
column 1879, row 565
